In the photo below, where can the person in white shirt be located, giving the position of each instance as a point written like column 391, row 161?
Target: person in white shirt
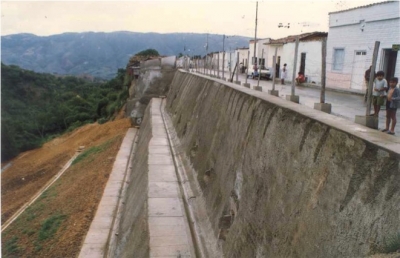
column 283, row 74
column 379, row 93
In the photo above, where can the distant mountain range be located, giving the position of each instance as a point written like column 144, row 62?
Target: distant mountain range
column 101, row 54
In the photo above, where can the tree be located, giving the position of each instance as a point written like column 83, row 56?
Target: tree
column 148, row 52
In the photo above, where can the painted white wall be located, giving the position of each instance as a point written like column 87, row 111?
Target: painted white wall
column 358, row 29
column 313, row 50
column 242, row 55
column 260, row 46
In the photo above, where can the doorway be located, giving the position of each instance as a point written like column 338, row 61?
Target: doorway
column 303, row 63
column 389, row 63
column 277, row 67
column 359, row 67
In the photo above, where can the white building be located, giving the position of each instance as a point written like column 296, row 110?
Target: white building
column 261, row 56
column 309, row 55
column 243, row 54
column 351, row 40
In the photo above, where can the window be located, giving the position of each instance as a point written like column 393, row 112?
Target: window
column 361, row 53
column 338, row 59
column 261, row 61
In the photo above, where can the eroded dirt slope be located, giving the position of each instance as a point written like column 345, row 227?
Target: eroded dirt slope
column 58, row 221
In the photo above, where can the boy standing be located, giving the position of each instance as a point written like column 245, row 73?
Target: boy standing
column 379, row 92
column 392, row 103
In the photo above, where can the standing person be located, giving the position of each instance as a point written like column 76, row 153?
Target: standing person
column 366, row 79
column 392, row 103
column 379, row 93
column 283, row 74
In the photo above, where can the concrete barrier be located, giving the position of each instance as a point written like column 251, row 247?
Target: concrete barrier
column 283, row 180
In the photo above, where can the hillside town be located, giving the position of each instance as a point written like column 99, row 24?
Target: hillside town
column 350, row 45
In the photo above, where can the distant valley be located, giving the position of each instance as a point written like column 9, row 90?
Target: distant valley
column 100, row 54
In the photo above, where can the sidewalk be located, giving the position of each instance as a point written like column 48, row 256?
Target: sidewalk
column 346, row 103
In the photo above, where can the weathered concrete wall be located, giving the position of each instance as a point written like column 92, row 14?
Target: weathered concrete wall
column 154, row 80
column 299, row 182
column 133, row 232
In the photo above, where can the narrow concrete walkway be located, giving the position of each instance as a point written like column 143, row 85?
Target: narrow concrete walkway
column 169, row 232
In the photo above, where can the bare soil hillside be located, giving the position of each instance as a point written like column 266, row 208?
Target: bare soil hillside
column 55, row 225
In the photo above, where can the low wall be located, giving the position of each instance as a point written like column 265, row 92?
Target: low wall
column 283, row 180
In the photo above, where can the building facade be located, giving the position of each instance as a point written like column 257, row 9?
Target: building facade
column 351, row 40
column 309, row 55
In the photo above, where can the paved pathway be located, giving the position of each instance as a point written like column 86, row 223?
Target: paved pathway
column 344, row 104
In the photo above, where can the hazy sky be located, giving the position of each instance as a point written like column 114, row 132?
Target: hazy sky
column 220, row 17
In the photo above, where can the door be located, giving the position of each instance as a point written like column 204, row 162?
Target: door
column 277, row 67
column 359, row 67
column 389, row 63
column 303, row 63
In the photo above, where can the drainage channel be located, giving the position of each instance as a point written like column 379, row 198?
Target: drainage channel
column 204, row 242
column 38, row 194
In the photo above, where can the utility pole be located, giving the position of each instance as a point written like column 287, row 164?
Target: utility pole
column 218, row 66
column 323, row 72
column 293, row 97
column 368, row 120
column 207, row 63
column 247, row 70
column 237, row 68
column 223, row 58
column 259, row 74
column 322, row 106
column 372, row 77
column 255, row 36
column 273, row 91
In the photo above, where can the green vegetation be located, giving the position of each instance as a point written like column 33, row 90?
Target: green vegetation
column 38, row 107
column 11, row 246
column 92, row 151
column 50, row 226
column 148, row 52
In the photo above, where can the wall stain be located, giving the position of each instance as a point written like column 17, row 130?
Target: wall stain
column 271, row 115
column 305, row 134
column 388, row 170
column 321, row 143
column 362, row 169
column 240, row 110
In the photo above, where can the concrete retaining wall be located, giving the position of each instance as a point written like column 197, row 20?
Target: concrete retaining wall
column 283, row 180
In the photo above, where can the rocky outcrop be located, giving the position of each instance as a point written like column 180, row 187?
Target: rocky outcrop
column 154, row 80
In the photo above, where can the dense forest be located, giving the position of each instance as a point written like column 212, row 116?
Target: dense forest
column 36, row 107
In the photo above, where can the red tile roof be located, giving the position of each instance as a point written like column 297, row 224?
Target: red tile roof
column 302, row 37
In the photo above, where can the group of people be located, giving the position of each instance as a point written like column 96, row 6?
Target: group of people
column 299, row 79
column 383, row 92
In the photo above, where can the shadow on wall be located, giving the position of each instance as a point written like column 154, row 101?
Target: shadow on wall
column 154, row 80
